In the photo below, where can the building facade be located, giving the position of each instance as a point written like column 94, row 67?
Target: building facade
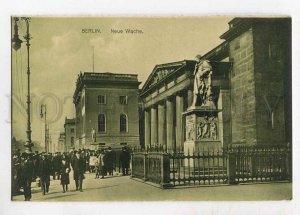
column 70, row 134
column 107, row 111
column 61, row 142
column 251, row 84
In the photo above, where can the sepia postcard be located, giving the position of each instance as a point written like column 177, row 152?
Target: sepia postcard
column 151, row 109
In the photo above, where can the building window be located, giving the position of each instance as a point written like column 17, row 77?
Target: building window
column 101, row 123
column 72, row 141
column 123, row 123
column 72, row 130
column 102, row 99
column 123, row 100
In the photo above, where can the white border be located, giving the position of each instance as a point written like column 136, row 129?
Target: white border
column 142, row 8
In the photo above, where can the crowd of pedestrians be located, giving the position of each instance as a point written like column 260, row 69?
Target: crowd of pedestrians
column 39, row 167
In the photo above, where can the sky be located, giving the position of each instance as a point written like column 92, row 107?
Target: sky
column 59, row 50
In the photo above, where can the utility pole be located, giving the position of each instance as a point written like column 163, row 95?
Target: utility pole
column 93, row 59
column 44, row 115
column 16, row 43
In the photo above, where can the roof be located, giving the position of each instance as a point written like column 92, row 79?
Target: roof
column 239, row 25
column 161, row 72
column 103, row 79
column 69, row 121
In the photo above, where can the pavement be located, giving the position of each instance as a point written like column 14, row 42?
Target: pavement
column 123, row 188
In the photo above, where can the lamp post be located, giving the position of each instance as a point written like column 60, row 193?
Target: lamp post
column 44, row 115
column 16, row 44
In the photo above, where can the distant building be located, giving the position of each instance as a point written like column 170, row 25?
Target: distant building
column 61, row 146
column 107, row 111
column 70, row 134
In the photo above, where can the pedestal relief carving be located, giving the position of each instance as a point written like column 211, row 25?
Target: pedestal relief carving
column 207, row 128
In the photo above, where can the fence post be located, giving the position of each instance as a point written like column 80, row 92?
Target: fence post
column 132, row 165
column 145, row 166
column 231, row 167
column 165, row 170
column 288, row 157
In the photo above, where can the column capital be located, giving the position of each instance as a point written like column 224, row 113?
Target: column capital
column 180, row 93
column 153, row 106
column 161, row 102
column 147, row 109
column 170, row 98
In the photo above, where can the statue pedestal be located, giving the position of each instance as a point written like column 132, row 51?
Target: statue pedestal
column 202, row 131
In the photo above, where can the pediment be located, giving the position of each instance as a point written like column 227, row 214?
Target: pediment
column 161, row 72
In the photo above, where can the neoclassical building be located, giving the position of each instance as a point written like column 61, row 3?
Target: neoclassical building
column 107, row 110
column 250, row 84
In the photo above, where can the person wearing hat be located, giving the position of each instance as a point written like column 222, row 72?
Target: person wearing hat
column 109, row 160
column 125, row 160
column 64, row 171
column 45, row 169
column 26, row 174
column 78, row 165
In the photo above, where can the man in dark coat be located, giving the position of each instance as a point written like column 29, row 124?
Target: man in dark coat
column 16, row 173
column 56, row 161
column 78, row 165
column 125, row 160
column 109, row 160
column 26, row 174
column 44, row 173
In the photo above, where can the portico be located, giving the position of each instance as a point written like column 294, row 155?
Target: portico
column 167, row 94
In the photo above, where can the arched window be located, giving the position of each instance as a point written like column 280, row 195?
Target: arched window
column 123, row 123
column 101, row 122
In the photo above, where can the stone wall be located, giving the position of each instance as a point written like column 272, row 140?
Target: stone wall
column 261, row 83
column 271, row 70
column 243, row 115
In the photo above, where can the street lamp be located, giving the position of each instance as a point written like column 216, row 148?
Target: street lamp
column 16, row 44
column 43, row 114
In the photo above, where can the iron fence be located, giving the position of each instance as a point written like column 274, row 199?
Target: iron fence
column 230, row 165
column 198, row 168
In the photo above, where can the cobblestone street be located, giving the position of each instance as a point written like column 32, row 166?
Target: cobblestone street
column 122, row 188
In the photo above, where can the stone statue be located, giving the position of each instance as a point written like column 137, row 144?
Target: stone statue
column 190, row 132
column 202, row 81
column 93, row 135
column 199, row 130
column 213, row 130
column 205, row 130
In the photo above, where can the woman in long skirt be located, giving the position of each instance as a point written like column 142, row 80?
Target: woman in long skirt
column 65, row 170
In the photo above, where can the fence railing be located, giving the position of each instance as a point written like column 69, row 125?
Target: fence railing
column 198, row 168
column 261, row 164
column 153, row 167
column 230, row 165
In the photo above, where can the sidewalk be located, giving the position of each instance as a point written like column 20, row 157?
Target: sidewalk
column 123, row 188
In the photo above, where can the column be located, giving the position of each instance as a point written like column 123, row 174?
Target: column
column 147, row 128
column 190, row 94
column 153, row 125
column 169, row 116
column 179, row 125
column 161, row 124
